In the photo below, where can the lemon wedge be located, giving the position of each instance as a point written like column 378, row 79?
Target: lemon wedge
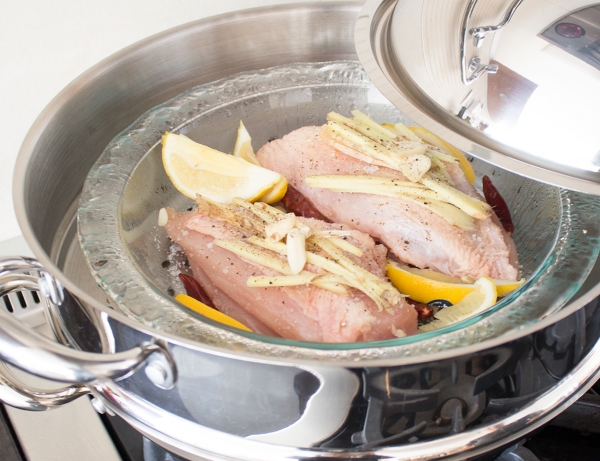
column 243, row 146
column 276, row 193
column 195, row 169
column 209, row 312
column 243, row 149
column 503, row 287
column 481, row 298
column 438, row 142
column 425, row 285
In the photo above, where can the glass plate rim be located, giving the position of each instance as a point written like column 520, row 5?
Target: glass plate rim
column 212, row 332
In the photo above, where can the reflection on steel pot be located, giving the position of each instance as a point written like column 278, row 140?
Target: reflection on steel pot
column 230, row 403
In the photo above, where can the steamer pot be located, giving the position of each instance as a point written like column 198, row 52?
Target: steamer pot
column 207, row 400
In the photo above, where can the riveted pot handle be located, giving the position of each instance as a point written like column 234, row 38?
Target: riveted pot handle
column 26, row 349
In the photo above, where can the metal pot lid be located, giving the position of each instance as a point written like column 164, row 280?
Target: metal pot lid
column 516, row 84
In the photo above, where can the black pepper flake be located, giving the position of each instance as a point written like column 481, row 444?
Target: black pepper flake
column 170, row 291
column 166, row 263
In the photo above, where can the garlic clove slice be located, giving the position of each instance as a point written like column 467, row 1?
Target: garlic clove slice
column 296, row 250
column 279, row 229
column 163, row 217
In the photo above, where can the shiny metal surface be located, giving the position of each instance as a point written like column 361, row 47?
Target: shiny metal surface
column 18, row 395
column 213, row 413
column 478, row 34
column 191, row 440
column 26, row 349
column 411, row 49
column 225, row 400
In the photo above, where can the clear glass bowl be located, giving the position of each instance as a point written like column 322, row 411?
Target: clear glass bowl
column 556, row 230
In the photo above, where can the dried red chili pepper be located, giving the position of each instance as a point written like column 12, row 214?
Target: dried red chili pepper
column 195, row 290
column 300, row 206
column 424, row 311
column 495, row 200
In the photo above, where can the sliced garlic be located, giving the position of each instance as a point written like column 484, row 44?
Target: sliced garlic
column 296, row 250
column 277, row 230
column 413, row 166
column 307, row 231
column 163, row 217
column 405, row 148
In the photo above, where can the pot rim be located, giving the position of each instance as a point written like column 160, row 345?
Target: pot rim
column 317, row 355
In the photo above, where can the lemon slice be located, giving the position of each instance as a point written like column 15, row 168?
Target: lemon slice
column 196, row 169
column 276, row 193
column 483, row 297
column 503, row 287
column 436, row 141
column 243, row 149
column 209, row 312
column 243, row 146
column 425, row 285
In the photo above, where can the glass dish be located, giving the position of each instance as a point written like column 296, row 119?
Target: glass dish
column 556, row 230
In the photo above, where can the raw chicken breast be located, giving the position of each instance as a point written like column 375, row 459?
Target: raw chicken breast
column 414, row 234
column 303, row 312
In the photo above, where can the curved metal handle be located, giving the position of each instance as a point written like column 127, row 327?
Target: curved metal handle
column 16, row 394
column 31, row 352
column 477, row 69
column 478, row 33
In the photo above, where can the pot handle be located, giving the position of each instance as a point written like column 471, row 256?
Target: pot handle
column 16, row 394
column 28, row 350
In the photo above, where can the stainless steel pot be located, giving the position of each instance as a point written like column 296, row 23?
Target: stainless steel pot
column 211, row 400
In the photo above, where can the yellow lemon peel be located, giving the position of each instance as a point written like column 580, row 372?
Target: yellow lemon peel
column 481, row 298
column 243, row 146
column 438, row 142
column 195, row 169
column 209, row 312
column 425, row 285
